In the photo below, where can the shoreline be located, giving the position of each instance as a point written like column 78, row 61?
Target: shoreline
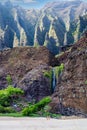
column 49, row 118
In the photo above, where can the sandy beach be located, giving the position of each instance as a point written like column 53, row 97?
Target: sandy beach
column 11, row 123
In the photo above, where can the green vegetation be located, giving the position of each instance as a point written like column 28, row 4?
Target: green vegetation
column 48, row 74
column 16, row 114
column 55, row 115
column 40, row 109
column 86, row 82
column 6, row 109
column 11, row 103
column 9, row 79
column 58, row 55
column 36, row 107
column 19, row 114
column 7, row 97
column 59, row 69
column 36, row 45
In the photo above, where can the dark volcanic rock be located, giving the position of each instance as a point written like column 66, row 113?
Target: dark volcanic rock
column 27, row 65
column 20, row 60
column 35, row 84
column 71, row 91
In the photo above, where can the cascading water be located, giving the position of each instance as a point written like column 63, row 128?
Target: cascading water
column 53, row 79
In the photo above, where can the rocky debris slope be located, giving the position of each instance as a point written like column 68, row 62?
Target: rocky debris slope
column 70, row 96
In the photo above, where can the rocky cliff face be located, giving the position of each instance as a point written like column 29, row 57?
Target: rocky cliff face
column 61, row 24
column 31, row 70
column 57, row 24
column 27, row 67
column 70, row 96
column 35, row 84
column 16, row 26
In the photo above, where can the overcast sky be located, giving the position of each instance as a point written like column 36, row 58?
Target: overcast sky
column 32, row 3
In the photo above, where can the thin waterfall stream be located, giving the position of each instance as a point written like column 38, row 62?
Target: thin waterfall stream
column 53, row 79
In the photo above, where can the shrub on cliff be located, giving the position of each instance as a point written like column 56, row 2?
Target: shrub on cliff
column 6, row 109
column 59, row 69
column 36, row 107
column 9, row 79
column 7, row 95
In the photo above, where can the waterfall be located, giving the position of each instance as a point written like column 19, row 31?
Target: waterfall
column 53, row 79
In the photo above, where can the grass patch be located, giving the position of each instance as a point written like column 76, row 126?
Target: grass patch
column 57, row 116
column 11, row 114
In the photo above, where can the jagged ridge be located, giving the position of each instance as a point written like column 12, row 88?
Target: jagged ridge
column 55, row 25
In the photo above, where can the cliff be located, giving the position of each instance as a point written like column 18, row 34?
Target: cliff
column 57, row 24
column 70, row 96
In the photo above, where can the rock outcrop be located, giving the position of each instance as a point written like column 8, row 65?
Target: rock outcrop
column 35, row 84
column 26, row 66
column 70, row 96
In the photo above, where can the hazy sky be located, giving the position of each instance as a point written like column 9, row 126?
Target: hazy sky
column 32, row 3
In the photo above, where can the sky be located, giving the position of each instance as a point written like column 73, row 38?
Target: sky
column 32, row 3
